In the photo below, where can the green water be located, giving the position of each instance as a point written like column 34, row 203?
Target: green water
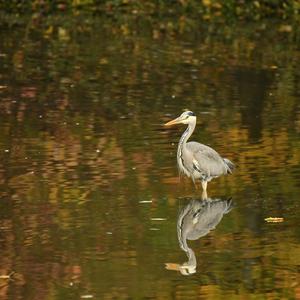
column 89, row 190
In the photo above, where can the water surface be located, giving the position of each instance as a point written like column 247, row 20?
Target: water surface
column 89, row 190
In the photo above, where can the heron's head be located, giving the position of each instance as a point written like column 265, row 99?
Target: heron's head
column 186, row 117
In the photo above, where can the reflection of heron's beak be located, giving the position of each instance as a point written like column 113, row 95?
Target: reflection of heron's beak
column 184, row 269
column 173, row 122
column 172, row 266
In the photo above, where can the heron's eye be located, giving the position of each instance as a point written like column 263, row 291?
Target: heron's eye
column 190, row 113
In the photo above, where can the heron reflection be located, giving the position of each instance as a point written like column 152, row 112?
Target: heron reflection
column 196, row 220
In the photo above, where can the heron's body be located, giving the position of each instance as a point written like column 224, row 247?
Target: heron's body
column 196, row 160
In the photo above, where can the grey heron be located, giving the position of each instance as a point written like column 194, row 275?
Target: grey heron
column 196, row 160
column 196, row 220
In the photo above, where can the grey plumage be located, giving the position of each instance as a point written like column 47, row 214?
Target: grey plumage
column 196, row 220
column 196, row 160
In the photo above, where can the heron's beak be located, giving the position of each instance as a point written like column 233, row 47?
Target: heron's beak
column 173, row 122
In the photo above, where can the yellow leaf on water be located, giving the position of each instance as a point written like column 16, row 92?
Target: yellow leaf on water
column 63, row 34
column 48, row 31
column 103, row 61
column 206, row 2
column 274, row 220
column 285, row 28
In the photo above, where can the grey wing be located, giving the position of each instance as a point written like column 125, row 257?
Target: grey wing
column 207, row 161
column 208, row 217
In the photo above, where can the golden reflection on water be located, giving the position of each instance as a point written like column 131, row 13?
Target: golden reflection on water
column 89, row 186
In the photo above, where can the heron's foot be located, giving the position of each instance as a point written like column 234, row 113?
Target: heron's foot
column 204, row 192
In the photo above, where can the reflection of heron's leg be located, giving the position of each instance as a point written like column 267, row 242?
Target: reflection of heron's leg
column 204, row 187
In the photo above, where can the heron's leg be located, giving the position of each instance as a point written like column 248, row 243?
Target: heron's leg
column 204, row 187
column 195, row 183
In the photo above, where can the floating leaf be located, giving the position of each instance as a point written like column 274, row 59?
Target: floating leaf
column 285, row 28
column 103, row 61
column 48, row 31
column 206, row 2
column 274, row 220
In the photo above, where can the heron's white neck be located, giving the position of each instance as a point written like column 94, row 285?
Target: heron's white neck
column 186, row 135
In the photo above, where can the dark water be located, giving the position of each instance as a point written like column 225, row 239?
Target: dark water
column 90, row 200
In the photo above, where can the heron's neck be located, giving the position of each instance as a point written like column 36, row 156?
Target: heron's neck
column 181, row 233
column 192, row 258
column 182, row 239
column 186, row 135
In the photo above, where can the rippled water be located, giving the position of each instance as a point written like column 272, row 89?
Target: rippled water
column 90, row 199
